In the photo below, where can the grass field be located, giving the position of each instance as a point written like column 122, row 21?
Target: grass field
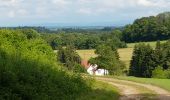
column 152, row 44
column 163, row 83
column 101, row 91
column 86, row 54
column 125, row 54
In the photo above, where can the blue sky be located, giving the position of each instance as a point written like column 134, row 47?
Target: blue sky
column 77, row 12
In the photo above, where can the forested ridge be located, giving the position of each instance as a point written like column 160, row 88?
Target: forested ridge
column 148, row 28
column 85, row 40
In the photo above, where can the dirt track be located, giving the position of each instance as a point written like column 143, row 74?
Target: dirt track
column 131, row 90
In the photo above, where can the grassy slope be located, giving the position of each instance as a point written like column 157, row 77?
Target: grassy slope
column 86, row 54
column 125, row 55
column 101, row 91
column 163, row 83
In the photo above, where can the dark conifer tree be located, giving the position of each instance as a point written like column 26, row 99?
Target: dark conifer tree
column 69, row 57
column 141, row 63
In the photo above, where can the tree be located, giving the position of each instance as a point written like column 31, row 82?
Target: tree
column 141, row 63
column 107, row 59
column 148, row 28
column 166, row 55
column 69, row 57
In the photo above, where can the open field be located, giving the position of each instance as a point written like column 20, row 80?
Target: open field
column 163, row 83
column 152, row 44
column 124, row 53
column 86, row 54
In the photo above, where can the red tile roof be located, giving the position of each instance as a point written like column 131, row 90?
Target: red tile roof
column 85, row 64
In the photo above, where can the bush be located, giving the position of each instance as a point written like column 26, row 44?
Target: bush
column 29, row 71
column 79, row 69
column 167, row 73
column 158, row 72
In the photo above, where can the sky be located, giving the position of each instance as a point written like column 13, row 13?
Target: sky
column 77, row 12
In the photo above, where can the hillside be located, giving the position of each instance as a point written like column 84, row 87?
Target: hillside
column 150, row 28
column 29, row 71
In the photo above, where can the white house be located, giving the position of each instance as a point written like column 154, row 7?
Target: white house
column 92, row 70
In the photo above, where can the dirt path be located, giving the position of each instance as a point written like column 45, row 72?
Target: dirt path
column 132, row 90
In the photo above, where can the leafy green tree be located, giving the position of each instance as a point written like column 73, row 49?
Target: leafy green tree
column 107, row 59
column 148, row 28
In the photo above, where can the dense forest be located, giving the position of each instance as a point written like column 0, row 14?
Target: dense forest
column 85, row 40
column 149, row 62
column 148, row 28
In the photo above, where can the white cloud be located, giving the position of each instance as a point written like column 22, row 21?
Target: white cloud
column 11, row 14
column 146, row 3
column 22, row 12
column 85, row 11
column 60, row 10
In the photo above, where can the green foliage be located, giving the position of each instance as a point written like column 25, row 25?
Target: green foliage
column 148, row 29
column 107, row 59
column 145, row 60
column 141, row 63
column 79, row 69
column 28, row 70
column 85, row 40
column 167, row 73
column 158, row 73
column 70, row 58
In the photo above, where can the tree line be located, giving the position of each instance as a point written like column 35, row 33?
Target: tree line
column 85, row 40
column 149, row 62
column 148, row 29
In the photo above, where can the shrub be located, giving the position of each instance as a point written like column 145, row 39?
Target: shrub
column 167, row 73
column 158, row 72
column 79, row 68
column 29, row 71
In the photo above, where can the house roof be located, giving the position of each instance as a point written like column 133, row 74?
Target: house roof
column 85, row 64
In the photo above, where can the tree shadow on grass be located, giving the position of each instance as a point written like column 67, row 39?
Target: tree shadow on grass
column 100, row 94
column 145, row 97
